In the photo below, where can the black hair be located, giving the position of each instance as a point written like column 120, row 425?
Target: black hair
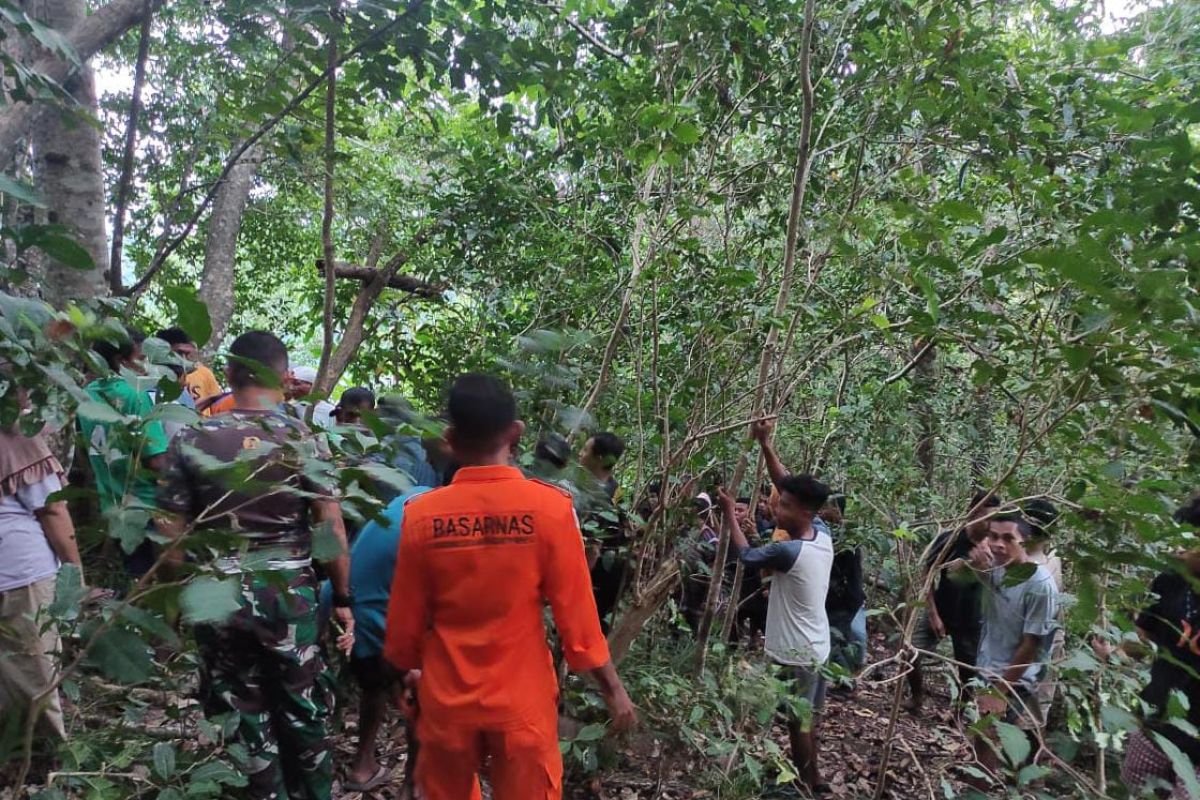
column 1189, row 512
column 984, row 499
column 114, row 352
column 1023, row 527
column 553, row 448
column 838, row 500
column 257, row 358
column 357, row 397
column 808, row 491
column 174, row 336
column 744, row 500
column 608, row 447
column 1041, row 515
column 481, row 408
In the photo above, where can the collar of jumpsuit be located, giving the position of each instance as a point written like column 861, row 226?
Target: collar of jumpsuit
column 494, row 472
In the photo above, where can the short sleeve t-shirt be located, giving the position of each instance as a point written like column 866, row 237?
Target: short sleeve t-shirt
column 797, row 624
column 25, row 554
column 958, row 596
column 251, row 472
column 200, row 383
column 117, row 452
column 1172, row 622
column 372, row 565
column 1011, row 613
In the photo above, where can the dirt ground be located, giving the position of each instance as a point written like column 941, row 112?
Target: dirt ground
column 925, row 748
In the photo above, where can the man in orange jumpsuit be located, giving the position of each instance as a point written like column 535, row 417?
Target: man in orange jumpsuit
column 478, row 560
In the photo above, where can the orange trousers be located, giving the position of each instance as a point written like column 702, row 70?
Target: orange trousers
column 521, row 764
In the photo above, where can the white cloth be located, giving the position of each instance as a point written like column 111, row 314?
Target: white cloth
column 25, row 555
column 797, row 625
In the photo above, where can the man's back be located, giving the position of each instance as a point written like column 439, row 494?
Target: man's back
column 477, row 561
column 115, row 454
column 957, row 595
column 244, row 471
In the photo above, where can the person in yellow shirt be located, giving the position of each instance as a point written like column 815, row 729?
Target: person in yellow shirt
column 199, row 380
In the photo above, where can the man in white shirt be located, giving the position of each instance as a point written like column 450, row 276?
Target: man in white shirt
column 300, row 385
column 797, row 636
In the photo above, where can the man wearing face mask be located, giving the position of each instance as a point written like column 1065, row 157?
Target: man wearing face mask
column 1019, row 620
column 125, row 456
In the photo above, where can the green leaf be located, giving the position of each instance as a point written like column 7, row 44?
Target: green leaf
column 65, row 250
column 173, row 412
column 218, row 772
column 210, row 599
column 170, row 793
column 1184, row 769
column 150, row 623
column 100, row 412
column 325, row 546
column 191, row 313
column 1014, row 742
column 686, row 133
column 164, row 760
column 590, row 733
column 68, row 593
column 121, row 655
column 1117, row 718
column 129, row 526
column 21, row 192
column 1019, row 573
column 1032, row 773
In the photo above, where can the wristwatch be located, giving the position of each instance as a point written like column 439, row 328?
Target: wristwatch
column 343, row 600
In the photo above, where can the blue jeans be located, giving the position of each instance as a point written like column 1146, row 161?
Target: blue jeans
column 848, row 634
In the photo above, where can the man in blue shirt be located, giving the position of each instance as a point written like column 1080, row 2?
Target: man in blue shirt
column 372, row 565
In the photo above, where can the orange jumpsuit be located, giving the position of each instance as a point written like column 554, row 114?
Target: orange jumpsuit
column 478, row 560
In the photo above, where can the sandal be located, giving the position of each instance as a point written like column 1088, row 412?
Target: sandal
column 380, row 777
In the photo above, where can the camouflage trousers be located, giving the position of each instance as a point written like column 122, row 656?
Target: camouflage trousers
column 264, row 664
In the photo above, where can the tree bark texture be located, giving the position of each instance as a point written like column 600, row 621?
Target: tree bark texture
column 68, row 170
column 88, row 35
column 220, row 250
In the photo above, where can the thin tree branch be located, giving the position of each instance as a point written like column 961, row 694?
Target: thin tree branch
column 335, row 21
column 173, row 244
column 126, row 183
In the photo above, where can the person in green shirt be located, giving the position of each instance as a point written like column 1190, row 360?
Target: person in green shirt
column 124, row 455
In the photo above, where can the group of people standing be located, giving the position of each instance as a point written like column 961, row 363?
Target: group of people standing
column 437, row 600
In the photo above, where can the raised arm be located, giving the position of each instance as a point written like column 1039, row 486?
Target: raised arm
column 760, row 431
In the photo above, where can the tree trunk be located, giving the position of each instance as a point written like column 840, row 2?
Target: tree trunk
column 220, row 250
column 68, row 170
column 88, row 35
column 642, row 610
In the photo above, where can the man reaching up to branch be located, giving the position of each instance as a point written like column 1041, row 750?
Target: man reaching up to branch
column 797, row 636
column 478, row 560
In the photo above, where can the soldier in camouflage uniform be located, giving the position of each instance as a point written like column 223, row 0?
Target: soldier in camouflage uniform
column 253, row 472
